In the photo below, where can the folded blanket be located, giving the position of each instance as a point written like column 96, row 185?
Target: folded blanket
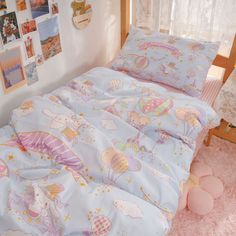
column 104, row 155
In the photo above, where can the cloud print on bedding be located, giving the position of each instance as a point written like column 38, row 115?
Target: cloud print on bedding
column 104, row 155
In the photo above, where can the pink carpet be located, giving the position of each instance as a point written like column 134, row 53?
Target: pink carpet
column 221, row 221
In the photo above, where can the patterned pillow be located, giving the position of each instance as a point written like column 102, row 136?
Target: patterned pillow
column 178, row 62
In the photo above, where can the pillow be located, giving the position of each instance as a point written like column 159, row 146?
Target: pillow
column 178, row 62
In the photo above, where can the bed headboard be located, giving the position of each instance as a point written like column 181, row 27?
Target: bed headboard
column 228, row 63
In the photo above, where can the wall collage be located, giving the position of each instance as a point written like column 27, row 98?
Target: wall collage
column 15, row 70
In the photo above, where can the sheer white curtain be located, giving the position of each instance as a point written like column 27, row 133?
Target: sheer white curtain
column 212, row 20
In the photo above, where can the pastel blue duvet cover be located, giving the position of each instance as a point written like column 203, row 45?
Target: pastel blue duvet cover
column 103, row 155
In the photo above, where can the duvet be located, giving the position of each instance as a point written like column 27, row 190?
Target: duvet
column 103, row 155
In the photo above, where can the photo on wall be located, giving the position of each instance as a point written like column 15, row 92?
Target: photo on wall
column 9, row 28
column 31, row 73
column 29, row 47
column 12, row 72
column 39, row 8
column 39, row 60
column 54, row 8
column 49, row 37
column 3, row 5
column 28, row 27
column 21, row 5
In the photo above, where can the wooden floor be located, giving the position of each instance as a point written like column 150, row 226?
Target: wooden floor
column 226, row 132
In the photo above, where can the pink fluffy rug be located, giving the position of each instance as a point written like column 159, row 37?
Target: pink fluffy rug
column 221, row 221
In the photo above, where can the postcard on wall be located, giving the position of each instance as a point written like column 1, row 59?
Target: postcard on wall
column 39, row 8
column 9, row 28
column 3, row 5
column 39, row 60
column 12, row 72
column 21, row 5
column 54, row 8
column 49, row 37
column 28, row 27
column 29, row 47
column 31, row 73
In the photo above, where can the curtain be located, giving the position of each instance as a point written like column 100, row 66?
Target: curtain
column 211, row 20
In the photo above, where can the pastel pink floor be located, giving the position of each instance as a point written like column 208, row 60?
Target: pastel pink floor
column 221, row 221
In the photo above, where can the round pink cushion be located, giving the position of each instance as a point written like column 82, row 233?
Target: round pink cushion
column 200, row 169
column 199, row 201
column 212, row 185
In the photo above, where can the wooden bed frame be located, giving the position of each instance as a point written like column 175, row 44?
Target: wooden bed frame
column 228, row 63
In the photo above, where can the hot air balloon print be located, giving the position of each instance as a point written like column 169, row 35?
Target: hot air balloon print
column 190, row 116
column 155, row 106
column 141, row 62
column 192, row 119
column 101, row 225
column 141, row 151
column 138, row 62
column 117, row 164
column 3, row 169
column 47, row 144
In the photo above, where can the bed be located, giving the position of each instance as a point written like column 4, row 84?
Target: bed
column 106, row 154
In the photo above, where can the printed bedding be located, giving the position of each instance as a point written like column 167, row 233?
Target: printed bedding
column 104, row 155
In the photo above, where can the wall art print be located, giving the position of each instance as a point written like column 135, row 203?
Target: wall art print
column 39, row 8
column 3, row 5
column 39, row 60
column 29, row 47
column 28, row 27
column 54, row 8
column 31, row 73
column 12, row 72
column 21, row 5
column 9, row 28
column 50, row 37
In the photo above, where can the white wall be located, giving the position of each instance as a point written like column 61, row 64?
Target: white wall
column 81, row 50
